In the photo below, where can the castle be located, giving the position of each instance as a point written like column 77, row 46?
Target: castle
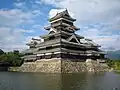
column 62, row 50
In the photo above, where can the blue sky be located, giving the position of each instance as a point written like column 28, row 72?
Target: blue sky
column 20, row 20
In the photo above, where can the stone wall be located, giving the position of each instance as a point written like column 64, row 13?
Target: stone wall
column 49, row 66
column 61, row 66
column 95, row 66
column 68, row 66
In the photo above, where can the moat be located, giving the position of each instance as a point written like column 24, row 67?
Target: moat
column 40, row 81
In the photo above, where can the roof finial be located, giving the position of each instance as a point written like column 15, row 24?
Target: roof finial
column 66, row 10
column 57, row 12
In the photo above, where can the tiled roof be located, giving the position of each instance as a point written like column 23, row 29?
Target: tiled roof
column 63, row 14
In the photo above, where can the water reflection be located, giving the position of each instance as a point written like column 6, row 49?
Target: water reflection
column 29, row 81
column 40, row 81
column 85, row 81
column 73, row 81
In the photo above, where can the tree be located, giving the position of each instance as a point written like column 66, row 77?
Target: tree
column 16, row 52
column 11, row 58
column 14, row 59
column 1, row 52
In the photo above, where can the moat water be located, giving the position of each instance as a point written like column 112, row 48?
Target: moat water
column 40, row 81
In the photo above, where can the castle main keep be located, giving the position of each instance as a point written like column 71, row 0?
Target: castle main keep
column 62, row 50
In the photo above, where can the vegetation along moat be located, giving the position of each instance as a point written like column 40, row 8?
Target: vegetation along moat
column 8, row 59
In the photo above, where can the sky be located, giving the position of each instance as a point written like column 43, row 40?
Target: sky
column 20, row 20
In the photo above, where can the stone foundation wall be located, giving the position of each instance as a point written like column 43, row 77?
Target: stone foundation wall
column 61, row 66
column 49, row 66
column 68, row 66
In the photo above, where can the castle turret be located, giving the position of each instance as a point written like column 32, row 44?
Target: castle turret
column 62, row 22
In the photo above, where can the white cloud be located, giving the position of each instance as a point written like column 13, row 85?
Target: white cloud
column 37, row 12
column 20, row 4
column 15, row 24
column 12, row 47
column 53, row 2
column 107, row 40
column 38, row 2
column 25, row 30
column 14, row 17
column 37, row 26
column 13, row 38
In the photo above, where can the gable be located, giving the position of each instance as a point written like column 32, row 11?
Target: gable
column 73, row 39
column 51, row 32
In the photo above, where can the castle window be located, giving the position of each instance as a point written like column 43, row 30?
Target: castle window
column 52, row 37
column 50, row 47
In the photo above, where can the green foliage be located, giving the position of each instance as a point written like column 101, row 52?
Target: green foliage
column 16, row 52
column 3, row 58
column 110, row 63
column 11, row 58
column 114, row 64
